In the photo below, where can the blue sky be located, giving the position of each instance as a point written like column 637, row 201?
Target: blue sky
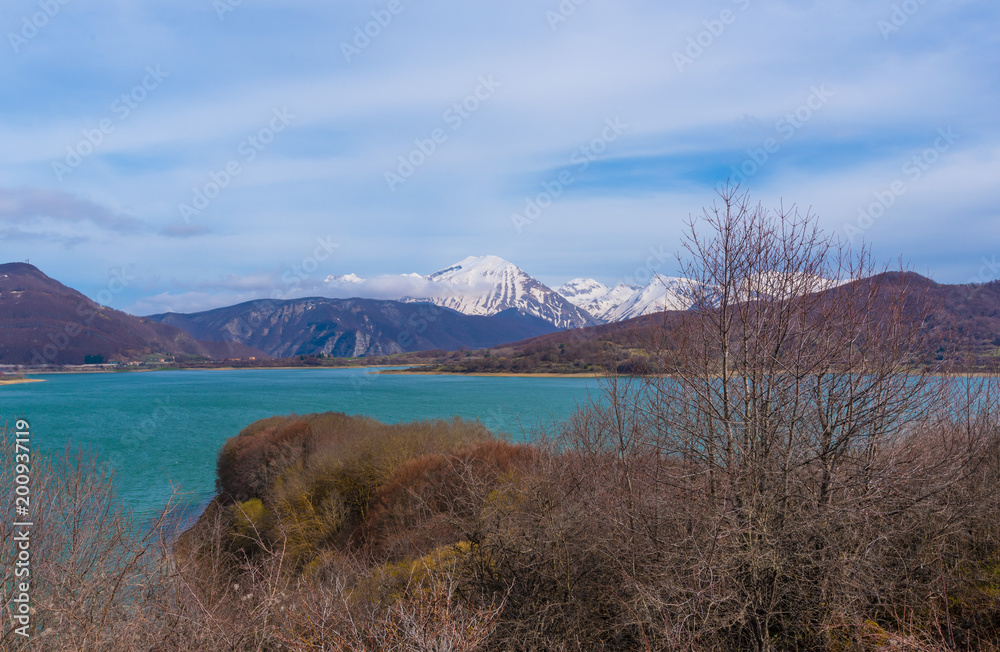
column 330, row 151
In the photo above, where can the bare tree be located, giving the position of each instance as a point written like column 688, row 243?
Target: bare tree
column 792, row 444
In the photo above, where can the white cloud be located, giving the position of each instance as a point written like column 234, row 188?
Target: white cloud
column 325, row 173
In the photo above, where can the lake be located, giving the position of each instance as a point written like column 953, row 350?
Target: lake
column 162, row 430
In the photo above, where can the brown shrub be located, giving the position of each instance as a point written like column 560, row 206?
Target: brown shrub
column 422, row 504
column 316, row 474
column 250, row 463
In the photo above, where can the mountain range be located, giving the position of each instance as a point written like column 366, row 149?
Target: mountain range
column 354, row 327
column 478, row 303
column 623, row 301
column 962, row 326
column 488, row 285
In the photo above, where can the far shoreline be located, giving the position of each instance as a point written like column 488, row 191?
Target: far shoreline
column 403, row 370
column 398, row 369
column 486, row 374
column 56, row 372
column 19, row 381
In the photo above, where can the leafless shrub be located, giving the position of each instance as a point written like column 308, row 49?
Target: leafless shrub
column 797, row 479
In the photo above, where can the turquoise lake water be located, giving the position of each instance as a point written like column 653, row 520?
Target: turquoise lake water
column 162, row 430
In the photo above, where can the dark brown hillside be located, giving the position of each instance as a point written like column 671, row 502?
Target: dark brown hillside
column 964, row 320
column 964, row 328
column 44, row 322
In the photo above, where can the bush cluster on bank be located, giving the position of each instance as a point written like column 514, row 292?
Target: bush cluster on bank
column 341, row 533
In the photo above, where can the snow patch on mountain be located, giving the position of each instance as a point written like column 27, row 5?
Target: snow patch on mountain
column 662, row 293
column 581, row 291
column 595, row 297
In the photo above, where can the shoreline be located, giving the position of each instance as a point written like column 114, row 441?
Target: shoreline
column 56, row 372
column 401, row 369
column 366, row 366
column 20, row 381
column 483, row 374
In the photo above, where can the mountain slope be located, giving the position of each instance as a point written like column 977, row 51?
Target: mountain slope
column 487, row 285
column 353, row 327
column 582, row 291
column 595, row 297
column 44, row 322
column 963, row 326
column 662, row 293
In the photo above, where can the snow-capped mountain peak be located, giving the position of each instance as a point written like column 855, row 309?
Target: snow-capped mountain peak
column 582, row 290
column 475, row 269
column 486, row 285
column 662, row 293
column 595, row 297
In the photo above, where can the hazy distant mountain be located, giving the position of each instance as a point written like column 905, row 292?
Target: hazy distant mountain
column 354, row 327
column 487, row 285
column 44, row 322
